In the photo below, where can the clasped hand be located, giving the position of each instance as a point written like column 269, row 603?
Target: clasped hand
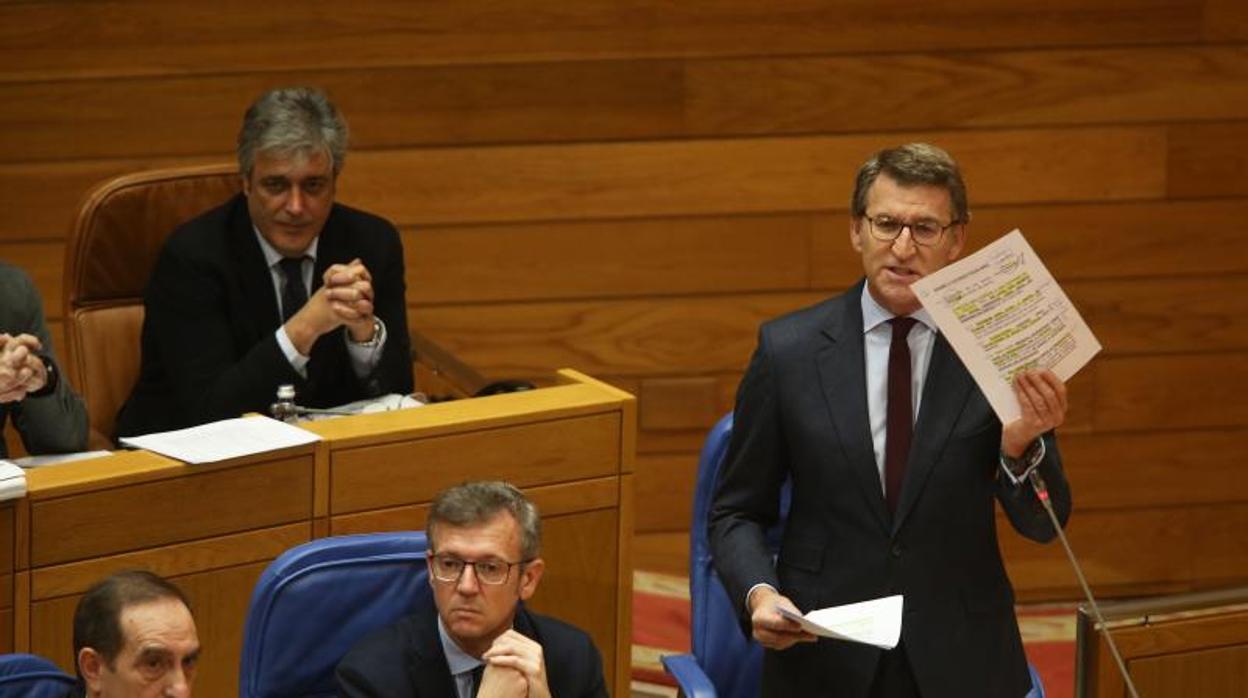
column 345, row 299
column 514, row 668
column 21, row 370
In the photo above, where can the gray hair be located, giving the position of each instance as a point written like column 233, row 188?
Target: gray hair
column 290, row 121
column 910, row 165
column 475, row 503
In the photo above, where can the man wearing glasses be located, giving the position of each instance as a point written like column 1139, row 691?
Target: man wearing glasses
column 895, row 459
column 477, row 638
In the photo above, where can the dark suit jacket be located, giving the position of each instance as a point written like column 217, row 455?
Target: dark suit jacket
column 802, row 413
column 209, row 350
column 52, row 423
column 406, row 659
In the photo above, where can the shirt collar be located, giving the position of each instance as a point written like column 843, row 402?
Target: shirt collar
column 458, row 660
column 272, row 256
column 874, row 314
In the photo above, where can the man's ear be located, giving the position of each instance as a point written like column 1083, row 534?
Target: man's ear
column 530, row 577
column 246, row 184
column 90, row 665
column 855, row 234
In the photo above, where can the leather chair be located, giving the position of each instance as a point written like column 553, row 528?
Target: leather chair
column 112, row 247
column 724, row 663
column 30, row 676
column 317, row 600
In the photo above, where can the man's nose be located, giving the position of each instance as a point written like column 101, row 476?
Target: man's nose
column 903, row 244
column 179, row 685
column 468, row 582
column 294, row 201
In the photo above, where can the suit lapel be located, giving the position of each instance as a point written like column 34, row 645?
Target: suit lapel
column 253, row 272
column 429, row 669
column 944, row 392
column 842, row 376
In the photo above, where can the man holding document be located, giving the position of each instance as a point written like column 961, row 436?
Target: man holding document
column 896, row 459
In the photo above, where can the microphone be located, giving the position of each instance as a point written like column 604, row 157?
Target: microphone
column 1042, row 493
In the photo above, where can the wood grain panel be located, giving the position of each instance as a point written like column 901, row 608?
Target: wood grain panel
column 1211, row 673
column 1207, row 159
column 439, row 104
column 967, row 89
column 1171, row 392
column 634, row 337
column 1118, row 549
column 43, row 262
column 120, row 38
column 1220, row 552
column 665, row 483
column 1161, row 468
column 679, row 403
column 528, row 455
column 1154, row 315
column 6, row 631
column 603, row 259
column 137, row 516
column 219, row 600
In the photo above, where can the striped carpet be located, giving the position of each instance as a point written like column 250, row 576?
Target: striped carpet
column 661, row 626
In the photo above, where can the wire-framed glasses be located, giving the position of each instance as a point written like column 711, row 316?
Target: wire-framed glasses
column 923, row 232
column 448, row 568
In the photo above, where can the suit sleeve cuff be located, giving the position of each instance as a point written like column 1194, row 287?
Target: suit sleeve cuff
column 366, row 355
column 1018, row 469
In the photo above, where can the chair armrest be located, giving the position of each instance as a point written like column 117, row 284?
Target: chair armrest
column 692, row 680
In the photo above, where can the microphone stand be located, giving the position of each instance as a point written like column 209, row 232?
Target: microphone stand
column 1042, row 493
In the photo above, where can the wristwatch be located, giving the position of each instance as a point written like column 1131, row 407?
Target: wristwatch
column 1019, row 468
column 372, row 341
column 51, row 379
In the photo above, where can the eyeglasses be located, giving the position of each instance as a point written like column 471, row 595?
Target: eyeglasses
column 924, row 233
column 448, row 568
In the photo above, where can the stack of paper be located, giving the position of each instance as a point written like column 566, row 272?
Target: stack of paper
column 12, row 481
column 229, row 438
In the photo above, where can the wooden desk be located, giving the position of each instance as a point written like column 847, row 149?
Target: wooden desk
column 214, row 528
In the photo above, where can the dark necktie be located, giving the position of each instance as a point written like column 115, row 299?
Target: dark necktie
column 294, row 295
column 476, row 679
column 900, row 422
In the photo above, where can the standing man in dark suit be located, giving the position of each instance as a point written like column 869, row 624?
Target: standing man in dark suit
column 476, row 638
column 48, row 415
column 280, row 284
column 896, row 460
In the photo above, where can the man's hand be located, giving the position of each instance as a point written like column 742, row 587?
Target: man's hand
column 502, row 682
column 516, row 652
column 350, row 292
column 771, row 629
column 21, row 370
column 1042, row 400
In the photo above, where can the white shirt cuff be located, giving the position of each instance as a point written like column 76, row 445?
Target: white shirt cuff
column 298, row 361
column 365, row 356
column 1036, row 460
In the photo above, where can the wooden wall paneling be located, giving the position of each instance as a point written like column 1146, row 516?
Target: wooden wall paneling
column 1226, row 20
column 1158, row 315
column 1117, row 549
column 219, row 599
column 1155, row 468
column 606, row 259
column 1088, row 241
column 665, row 483
column 136, row 516
column 1171, row 392
column 178, row 115
column 1220, row 551
column 42, row 261
column 1211, row 673
column 638, row 337
column 119, row 38
column 979, row 89
column 1207, row 159
column 534, row 454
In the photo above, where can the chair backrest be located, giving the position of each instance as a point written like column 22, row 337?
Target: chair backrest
column 731, row 661
column 317, row 600
column 112, row 247
column 30, row 676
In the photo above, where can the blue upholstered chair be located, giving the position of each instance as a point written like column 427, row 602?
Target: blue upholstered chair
column 30, row 676
column 316, row 600
column 724, row 663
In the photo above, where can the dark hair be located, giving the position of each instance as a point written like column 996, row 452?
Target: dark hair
column 477, row 502
column 913, row 164
column 97, row 619
column 292, row 120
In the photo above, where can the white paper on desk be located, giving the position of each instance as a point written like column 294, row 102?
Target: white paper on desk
column 1003, row 313
column 382, row 403
column 57, row 458
column 12, row 481
column 229, row 438
column 875, row 622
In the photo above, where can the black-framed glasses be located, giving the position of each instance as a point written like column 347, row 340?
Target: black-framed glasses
column 448, row 568
column 923, row 232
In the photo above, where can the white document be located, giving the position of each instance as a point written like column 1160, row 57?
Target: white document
column 1003, row 313
column 12, row 481
column 383, row 403
column 229, row 438
column 875, row 622
column 56, row 458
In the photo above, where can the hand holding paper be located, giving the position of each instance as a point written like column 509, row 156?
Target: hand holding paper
column 875, row 622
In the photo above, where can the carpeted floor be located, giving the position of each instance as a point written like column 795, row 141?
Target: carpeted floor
column 661, row 626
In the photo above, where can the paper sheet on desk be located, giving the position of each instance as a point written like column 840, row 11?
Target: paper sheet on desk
column 875, row 622
column 12, row 481
column 1003, row 312
column 229, row 438
column 57, row 458
column 383, row 403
